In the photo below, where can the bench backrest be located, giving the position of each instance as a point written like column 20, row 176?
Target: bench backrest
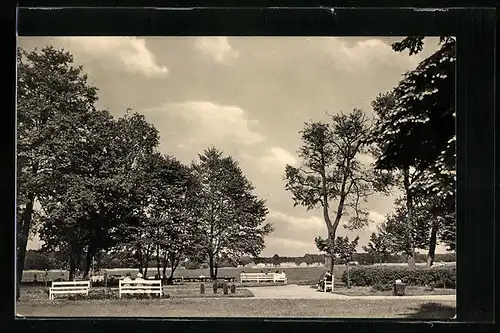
column 263, row 276
column 66, row 284
column 131, row 283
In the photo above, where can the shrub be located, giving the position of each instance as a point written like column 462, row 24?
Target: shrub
column 233, row 288
column 381, row 275
column 225, row 289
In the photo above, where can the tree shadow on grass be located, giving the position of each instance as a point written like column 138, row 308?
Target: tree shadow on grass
column 432, row 311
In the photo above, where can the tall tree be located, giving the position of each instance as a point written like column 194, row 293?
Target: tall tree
column 233, row 218
column 416, row 127
column 52, row 97
column 97, row 195
column 179, row 233
column 330, row 171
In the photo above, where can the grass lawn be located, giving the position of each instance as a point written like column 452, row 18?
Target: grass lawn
column 236, row 307
column 306, row 275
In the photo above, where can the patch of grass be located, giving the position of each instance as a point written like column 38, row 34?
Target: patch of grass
column 40, row 294
column 230, row 307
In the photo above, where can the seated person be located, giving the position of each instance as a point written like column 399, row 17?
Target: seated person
column 127, row 278
column 139, row 278
column 326, row 277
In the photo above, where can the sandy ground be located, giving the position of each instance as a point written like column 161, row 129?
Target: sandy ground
column 293, row 291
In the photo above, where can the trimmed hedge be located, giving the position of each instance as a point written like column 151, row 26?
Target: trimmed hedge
column 438, row 277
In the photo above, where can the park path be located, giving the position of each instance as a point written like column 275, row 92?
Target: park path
column 293, row 291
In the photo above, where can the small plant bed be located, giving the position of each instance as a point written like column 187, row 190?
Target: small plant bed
column 96, row 293
column 409, row 291
column 193, row 291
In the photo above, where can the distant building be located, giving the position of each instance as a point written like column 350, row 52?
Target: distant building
column 316, row 264
column 288, row 264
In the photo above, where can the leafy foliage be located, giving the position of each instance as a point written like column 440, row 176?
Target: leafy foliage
column 415, row 129
column 345, row 249
column 233, row 218
column 379, row 247
column 386, row 275
column 418, row 128
column 53, row 98
column 331, row 171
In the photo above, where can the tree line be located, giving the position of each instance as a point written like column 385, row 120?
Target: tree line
column 91, row 185
column 47, row 260
column 411, row 138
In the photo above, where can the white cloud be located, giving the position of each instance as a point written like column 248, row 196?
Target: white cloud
column 274, row 160
column 128, row 54
column 207, row 123
column 288, row 247
column 217, row 47
column 299, row 223
column 366, row 53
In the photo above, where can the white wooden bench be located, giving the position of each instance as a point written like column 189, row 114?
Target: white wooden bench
column 69, row 287
column 263, row 277
column 327, row 284
column 139, row 286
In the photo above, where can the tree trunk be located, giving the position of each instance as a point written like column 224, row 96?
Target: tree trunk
column 88, row 261
column 174, row 263
column 409, row 208
column 73, row 263
column 432, row 244
column 216, row 269
column 348, row 277
column 22, row 239
column 140, row 259
column 78, row 259
column 331, row 252
column 164, row 263
column 329, row 263
column 411, row 259
column 158, row 260
column 164, row 272
column 336, row 223
column 211, row 264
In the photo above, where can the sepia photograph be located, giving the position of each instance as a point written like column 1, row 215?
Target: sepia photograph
column 213, row 176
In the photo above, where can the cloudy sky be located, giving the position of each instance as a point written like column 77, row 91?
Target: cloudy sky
column 248, row 97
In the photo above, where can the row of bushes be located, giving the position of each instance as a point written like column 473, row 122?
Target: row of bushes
column 438, row 277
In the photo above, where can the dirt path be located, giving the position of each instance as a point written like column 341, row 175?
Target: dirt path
column 292, row 291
